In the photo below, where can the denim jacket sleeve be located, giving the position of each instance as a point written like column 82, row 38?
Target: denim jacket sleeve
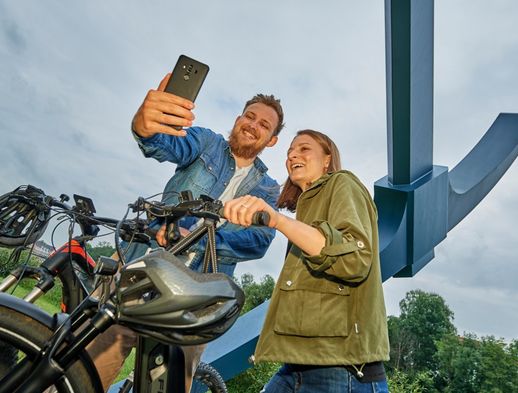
column 176, row 149
column 243, row 244
column 237, row 244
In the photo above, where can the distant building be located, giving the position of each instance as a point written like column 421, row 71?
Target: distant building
column 42, row 249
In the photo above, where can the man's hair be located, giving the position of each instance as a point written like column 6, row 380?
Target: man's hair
column 273, row 103
column 291, row 192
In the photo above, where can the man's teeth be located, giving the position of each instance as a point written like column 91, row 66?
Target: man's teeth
column 294, row 166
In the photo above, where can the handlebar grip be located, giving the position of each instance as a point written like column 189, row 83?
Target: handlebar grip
column 259, row 218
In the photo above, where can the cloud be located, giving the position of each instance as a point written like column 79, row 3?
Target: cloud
column 72, row 76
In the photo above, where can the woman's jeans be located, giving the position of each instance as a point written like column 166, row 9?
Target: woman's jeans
column 321, row 380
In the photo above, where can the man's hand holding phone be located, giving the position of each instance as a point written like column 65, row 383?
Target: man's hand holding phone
column 169, row 108
column 161, row 112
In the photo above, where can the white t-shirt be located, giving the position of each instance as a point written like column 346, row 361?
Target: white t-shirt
column 230, row 191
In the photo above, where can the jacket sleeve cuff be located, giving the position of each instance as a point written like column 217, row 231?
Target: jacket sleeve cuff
column 148, row 146
column 337, row 244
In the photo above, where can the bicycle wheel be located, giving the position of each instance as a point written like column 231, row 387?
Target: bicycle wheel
column 26, row 337
column 207, row 379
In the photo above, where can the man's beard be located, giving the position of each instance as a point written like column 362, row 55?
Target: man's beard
column 246, row 152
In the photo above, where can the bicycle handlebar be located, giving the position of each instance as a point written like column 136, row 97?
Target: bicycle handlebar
column 201, row 208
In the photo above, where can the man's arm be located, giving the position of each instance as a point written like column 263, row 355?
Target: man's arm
column 243, row 244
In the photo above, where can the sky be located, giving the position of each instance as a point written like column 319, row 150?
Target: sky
column 72, row 75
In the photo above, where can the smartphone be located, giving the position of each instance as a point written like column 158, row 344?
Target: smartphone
column 187, row 78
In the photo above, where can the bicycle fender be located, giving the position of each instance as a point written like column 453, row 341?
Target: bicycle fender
column 26, row 308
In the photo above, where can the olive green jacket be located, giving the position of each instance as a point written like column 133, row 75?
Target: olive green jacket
column 328, row 309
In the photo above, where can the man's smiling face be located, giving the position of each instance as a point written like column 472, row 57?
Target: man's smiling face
column 253, row 131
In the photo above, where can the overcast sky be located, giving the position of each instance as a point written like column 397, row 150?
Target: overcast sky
column 72, row 74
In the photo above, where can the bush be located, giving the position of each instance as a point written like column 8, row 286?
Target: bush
column 253, row 379
column 9, row 261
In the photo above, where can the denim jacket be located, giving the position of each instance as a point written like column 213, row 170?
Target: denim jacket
column 204, row 166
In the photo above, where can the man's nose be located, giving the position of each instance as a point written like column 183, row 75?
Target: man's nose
column 254, row 123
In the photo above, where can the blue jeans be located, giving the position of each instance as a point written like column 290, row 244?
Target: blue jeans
column 321, row 380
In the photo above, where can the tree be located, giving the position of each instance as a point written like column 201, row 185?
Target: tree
column 422, row 382
column 425, row 319
column 256, row 293
column 457, row 358
column 253, row 379
column 498, row 367
column 401, row 342
column 104, row 249
column 471, row 365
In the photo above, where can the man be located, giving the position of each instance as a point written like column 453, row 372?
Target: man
column 207, row 164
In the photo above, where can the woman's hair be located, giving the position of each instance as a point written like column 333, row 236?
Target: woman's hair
column 291, row 192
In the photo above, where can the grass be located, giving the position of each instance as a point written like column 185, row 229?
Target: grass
column 127, row 367
column 47, row 302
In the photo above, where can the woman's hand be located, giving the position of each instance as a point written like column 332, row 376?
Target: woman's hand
column 241, row 210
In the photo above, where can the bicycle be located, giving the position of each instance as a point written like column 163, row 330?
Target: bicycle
column 24, row 216
column 174, row 213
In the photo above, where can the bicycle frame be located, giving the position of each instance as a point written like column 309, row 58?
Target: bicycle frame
column 59, row 264
column 161, row 363
column 159, row 367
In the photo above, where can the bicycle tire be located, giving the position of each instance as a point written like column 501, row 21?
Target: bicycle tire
column 207, row 377
column 27, row 336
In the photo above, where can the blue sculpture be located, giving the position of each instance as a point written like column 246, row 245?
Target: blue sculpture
column 418, row 202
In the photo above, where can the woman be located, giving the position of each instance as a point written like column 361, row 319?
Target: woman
column 326, row 320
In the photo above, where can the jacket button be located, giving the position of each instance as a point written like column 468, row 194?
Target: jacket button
column 340, row 287
column 360, row 244
column 225, row 184
column 288, row 283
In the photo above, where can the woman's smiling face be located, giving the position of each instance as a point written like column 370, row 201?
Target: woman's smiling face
column 306, row 161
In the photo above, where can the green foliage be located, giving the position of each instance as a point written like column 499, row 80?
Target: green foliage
column 468, row 364
column 104, row 249
column 253, row 379
column 428, row 356
column 425, row 318
column 50, row 302
column 256, row 293
column 9, row 261
column 422, row 382
column 456, row 358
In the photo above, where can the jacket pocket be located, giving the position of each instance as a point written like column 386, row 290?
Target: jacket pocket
column 309, row 312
